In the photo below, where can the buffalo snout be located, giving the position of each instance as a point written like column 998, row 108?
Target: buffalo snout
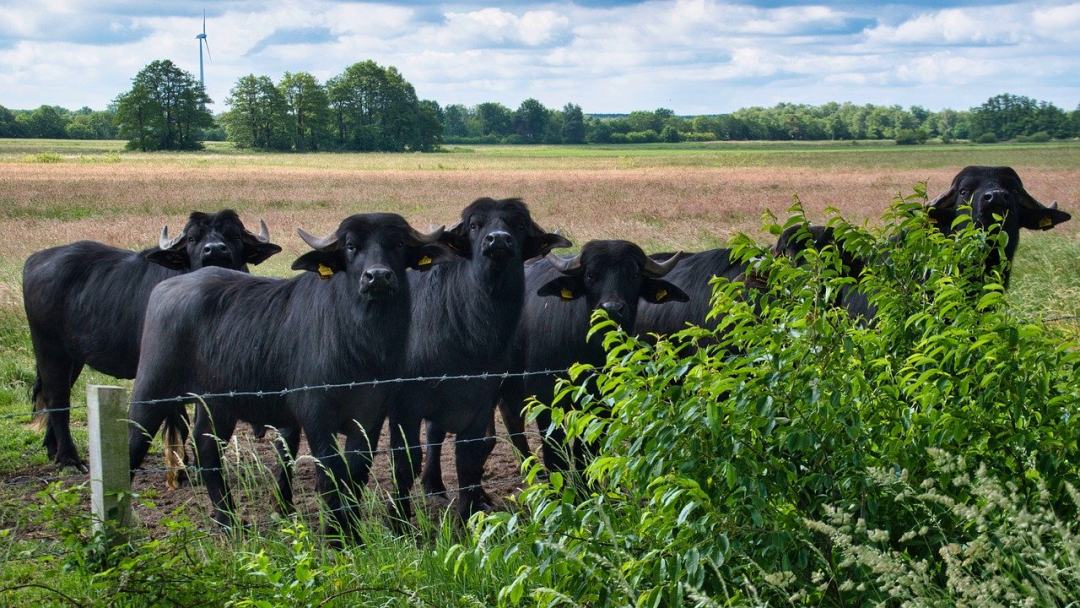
column 377, row 279
column 498, row 242
column 614, row 308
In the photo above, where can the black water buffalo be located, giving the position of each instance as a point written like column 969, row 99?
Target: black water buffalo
column 692, row 276
column 983, row 192
column 346, row 319
column 976, row 193
column 85, row 304
column 464, row 315
column 560, row 297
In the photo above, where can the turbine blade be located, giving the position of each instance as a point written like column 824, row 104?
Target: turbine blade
column 204, row 21
column 207, row 43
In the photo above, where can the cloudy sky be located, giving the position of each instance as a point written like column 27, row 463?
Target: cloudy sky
column 694, row 56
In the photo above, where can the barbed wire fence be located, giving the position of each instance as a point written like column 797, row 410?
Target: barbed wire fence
column 108, row 423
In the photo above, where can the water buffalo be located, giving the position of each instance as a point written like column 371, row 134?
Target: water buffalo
column 976, row 193
column 980, row 193
column 85, row 304
column 692, row 276
column 346, row 319
column 464, row 316
column 561, row 296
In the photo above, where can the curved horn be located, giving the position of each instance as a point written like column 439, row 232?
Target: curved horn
column 429, row 238
column 563, row 265
column 164, row 242
column 656, row 269
column 322, row 244
column 264, row 233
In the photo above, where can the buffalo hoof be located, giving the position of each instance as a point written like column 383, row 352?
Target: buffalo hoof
column 71, row 460
column 434, row 487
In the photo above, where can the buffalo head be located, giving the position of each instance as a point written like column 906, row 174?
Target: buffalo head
column 501, row 230
column 373, row 250
column 213, row 239
column 613, row 276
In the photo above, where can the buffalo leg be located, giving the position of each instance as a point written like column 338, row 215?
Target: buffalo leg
column 332, row 478
column 407, row 456
column 552, row 443
column 57, row 376
column 432, row 477
column 145, row 422
column 287, row 444
column 470, row 451
column 510, row 408
column 212, row 428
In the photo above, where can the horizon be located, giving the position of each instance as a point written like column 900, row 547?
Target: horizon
column 694, row 57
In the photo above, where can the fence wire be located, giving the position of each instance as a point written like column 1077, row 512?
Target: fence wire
column 282, row 392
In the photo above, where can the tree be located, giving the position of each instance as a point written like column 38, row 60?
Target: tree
column 47, row 122
column 258, row 115
column 375, row 108
column 9, row 126
column 164, row 110
column 456, row 121
column 308, row 109
column 530, row 121
column 573, row 125
column 495, row 119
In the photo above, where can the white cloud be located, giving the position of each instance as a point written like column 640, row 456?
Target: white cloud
column 691, row 55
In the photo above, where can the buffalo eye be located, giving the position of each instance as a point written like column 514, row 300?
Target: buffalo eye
column 351, row 248
column 474, row 225
column 191, row 239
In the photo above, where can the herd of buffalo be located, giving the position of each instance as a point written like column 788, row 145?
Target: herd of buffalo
column 376, row 299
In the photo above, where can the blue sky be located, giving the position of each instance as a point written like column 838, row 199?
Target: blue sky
column 694, row 56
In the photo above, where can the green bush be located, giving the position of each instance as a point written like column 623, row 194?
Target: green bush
column 986, row 138
column 909, row 137
column 1035, row 138
column 716, row 447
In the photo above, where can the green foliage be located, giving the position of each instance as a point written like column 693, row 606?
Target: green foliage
column 308, row 109
column 714, row 448
column 164, row 110
column 986, row 138
column 375, row 109
column 258, row 117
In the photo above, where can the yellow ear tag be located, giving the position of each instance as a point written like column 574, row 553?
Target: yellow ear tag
column 325, row 272
column 566, row 294
column 424, row 261
column 661, row 294
column 1046, row 222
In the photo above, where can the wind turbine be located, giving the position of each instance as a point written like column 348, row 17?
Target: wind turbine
column 202, row 41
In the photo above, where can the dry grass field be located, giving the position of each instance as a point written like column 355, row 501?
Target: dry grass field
column 664, row 197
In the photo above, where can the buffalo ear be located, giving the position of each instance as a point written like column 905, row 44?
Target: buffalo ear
column 659, row 291
column 1041, row 217
column 543, row 243
column 424, row 257
column 566, row 287
column 942, row 210
column 256, row 252
column 176, row 258
column 457, row 239
column 323, row 263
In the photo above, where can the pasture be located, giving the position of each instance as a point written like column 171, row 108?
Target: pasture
column 664, row 197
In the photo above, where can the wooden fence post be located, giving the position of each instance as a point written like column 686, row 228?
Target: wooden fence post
column 110, row 474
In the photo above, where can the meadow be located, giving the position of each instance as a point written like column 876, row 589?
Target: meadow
column 665, row 197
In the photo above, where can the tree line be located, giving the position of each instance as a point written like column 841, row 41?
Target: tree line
column 369, row 107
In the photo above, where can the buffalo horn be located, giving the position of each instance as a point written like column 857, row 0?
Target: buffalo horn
column 164, row 242
column 563, row 265
column 264, row 233
column 658, row 269
column 327, row 242
column 943, row 198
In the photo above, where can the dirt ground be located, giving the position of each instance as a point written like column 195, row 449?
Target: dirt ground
column 252, row 466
